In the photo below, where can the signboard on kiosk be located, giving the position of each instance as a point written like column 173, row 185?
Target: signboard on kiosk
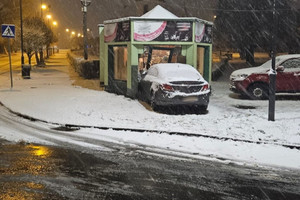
column 163, row 31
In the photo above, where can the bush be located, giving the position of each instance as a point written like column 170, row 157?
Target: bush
column 85, row 68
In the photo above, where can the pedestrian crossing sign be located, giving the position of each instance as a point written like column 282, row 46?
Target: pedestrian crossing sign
column 8, row 30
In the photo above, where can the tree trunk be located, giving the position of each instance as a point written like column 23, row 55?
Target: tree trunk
column 47, row 51
column 42, row 61
column 37, row 58
column 29, row 59
column 29, row 55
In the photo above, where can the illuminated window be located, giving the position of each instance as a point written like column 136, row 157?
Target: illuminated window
column 120, row 63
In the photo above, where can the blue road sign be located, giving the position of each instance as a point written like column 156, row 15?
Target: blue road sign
column 8, row 30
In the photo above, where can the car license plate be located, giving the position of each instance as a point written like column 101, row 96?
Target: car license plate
column 190, row 99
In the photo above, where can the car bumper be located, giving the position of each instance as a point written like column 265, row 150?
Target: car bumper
column 237, row 87
column 162, row 99
column 233, row 88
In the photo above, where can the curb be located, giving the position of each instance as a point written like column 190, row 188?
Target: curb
column 74, row 127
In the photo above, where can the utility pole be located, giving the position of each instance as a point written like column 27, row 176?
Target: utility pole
column 21, row 24
column 272, row 73
column 85, row 4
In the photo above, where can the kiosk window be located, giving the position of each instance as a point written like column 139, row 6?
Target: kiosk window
column 120, row 63
column 161, row 54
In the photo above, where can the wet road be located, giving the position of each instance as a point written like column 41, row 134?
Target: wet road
column 29, row 171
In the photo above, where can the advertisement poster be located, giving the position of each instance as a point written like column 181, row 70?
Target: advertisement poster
column 163, row 31
column 203, row 33
column 117, row 32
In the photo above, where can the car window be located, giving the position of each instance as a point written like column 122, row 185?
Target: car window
column 152, row 71
column 292, row 63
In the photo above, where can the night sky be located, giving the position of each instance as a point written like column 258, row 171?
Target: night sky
column 68, row 12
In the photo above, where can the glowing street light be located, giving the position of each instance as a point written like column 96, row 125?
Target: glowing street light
column 78, row 34
column 48, row 17
column 67, row 30
column 54, row 23
column 44, row 7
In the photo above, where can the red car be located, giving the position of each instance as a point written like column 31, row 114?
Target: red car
column 254, row 82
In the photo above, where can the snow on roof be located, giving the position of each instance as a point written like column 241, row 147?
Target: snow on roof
column 159, row 12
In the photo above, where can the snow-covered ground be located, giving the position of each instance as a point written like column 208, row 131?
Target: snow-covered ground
column 50, row 96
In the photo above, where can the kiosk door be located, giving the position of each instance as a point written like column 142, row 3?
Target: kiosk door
column 203, row 63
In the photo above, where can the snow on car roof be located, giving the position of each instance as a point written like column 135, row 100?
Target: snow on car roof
column 177, row 72
column 288, row 56
column 280, row 59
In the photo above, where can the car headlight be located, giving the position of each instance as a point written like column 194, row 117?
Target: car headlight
column 239, row 77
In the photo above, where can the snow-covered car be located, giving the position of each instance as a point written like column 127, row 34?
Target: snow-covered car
column 169, row 84
column 254, row 82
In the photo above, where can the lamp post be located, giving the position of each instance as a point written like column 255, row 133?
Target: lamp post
column 85, row 4
column 43, row 7
column 22, row 47
column 272, row 74
column 49, row 17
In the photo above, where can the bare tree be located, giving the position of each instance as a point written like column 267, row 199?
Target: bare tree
column 36, row 35
column 9, row 14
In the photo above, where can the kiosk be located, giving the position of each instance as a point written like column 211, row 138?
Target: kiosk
column 130, row 45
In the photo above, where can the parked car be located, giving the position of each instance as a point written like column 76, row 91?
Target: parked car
column 168, row 84
column 254, row 82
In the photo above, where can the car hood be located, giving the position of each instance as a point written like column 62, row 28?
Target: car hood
column 251, row 70
column 169, row 80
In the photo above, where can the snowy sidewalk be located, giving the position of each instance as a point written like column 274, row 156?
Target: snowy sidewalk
column 50, row 96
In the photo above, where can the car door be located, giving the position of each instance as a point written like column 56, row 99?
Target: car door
column 288, row 80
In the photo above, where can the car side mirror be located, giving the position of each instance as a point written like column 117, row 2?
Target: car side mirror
column 143, row 73
column 280, row 68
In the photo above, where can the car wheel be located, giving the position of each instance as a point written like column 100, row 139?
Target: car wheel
column 258, row 91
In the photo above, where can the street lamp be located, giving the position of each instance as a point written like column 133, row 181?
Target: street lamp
column 43, row 7
column 85, row 4
column 67, row 30
column 54, row 23
column 49, row 17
